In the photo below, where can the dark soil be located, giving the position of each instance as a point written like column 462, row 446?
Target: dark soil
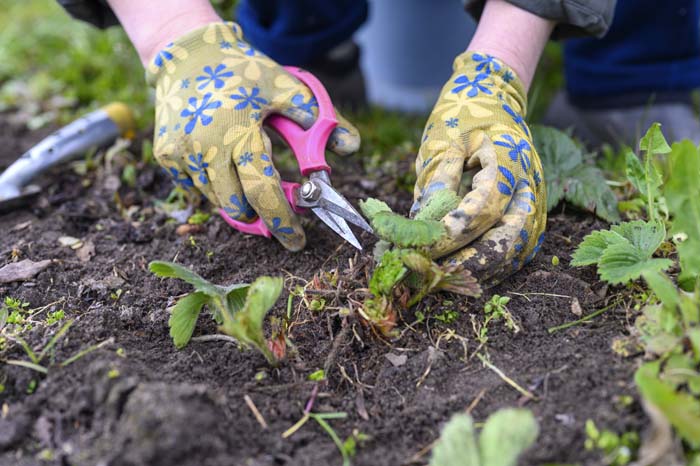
column 150, row 404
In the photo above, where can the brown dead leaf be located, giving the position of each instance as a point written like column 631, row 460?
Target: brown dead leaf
column 86, row 251
column 22, row 270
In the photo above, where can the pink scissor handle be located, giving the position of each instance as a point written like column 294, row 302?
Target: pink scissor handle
column 258, row 227
column 309, row 146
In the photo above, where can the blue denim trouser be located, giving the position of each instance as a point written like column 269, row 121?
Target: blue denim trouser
column 651, row 49
column 296, row 32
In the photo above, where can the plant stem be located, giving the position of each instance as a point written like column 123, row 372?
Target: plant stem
column 331, row 433
column 583, row 319
column 506, row 379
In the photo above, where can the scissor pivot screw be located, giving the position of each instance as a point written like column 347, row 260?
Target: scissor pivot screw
column 310, row 191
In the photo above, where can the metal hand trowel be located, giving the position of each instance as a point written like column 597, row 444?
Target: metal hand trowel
column 97, row 129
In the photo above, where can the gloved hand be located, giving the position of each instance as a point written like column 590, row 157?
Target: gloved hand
column 213, row 91
column 477, row 144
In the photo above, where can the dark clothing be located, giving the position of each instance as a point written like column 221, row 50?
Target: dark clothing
column 96, row 12
column 574, row 16
column 649, row 49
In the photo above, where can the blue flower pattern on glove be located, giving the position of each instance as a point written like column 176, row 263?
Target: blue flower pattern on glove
column 217, row 76
column 197, row 111
column 475, row 86
column 268, row 170
column 298, row 101
column 517, row 118
column 486, row 63
column 277, row 228
column 163, row 56
column 198, row 166
column 245, row 159
column 246, row 99
column 184, row 181
column 452, row 122
column 517, row 150
column 239, row 208
column 519, row 191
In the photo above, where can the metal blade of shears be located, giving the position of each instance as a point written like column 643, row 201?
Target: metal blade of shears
column 337, row 224
column 333, row 201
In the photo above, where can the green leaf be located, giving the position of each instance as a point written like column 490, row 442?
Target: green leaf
column 683, row 197
column 184, row 317
column 506, row 435
column 387, row 274
column 654, row 141
column 172, row 270
column 634, row 171
column 569, row 178
column 663, row 288
column 681, row 409
column 586, row 188
column 247, row 325
column 645, row 236
column 371, row 207
column 457, row 444
column 404, row 232
column 622, row 263
column 235, row 296
column 592, row 247
column 439, row 204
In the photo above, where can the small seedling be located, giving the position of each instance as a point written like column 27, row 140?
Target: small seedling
column 31, row 386
column 448, row 316
column 405, row 272
column 35, row 359
column 317, row 376
column 238, row 309
column 199, row 218
column 113, row 373
column 618, row 449
column 346, row 449
column 55, row 317
column 495, row 309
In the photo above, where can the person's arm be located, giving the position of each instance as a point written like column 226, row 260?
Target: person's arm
column 513, row 35
column 152, row 24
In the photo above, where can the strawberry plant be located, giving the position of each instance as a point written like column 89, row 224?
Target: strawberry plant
column 669, row 324
column 405, row 272
column 505, row 435
column 570, row 177
column 238, row 309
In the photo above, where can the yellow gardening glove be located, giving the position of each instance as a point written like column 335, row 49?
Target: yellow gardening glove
column 213, row 91
column 477, row 144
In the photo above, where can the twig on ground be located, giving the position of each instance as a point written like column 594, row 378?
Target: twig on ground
column 505, row 378
column 476, row 401
column 585, row 318
column 256, row 413
column 216, row 337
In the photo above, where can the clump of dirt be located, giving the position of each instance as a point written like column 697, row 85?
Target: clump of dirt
column 137, row 400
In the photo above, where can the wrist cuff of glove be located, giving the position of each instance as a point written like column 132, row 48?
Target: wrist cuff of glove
column 480, row 66
column 178, row 50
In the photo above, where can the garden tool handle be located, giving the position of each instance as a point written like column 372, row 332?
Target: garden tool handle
column 308, row 146
column 96, row 129
column 258, row 227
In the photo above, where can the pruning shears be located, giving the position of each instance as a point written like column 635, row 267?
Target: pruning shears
column 309, row 148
